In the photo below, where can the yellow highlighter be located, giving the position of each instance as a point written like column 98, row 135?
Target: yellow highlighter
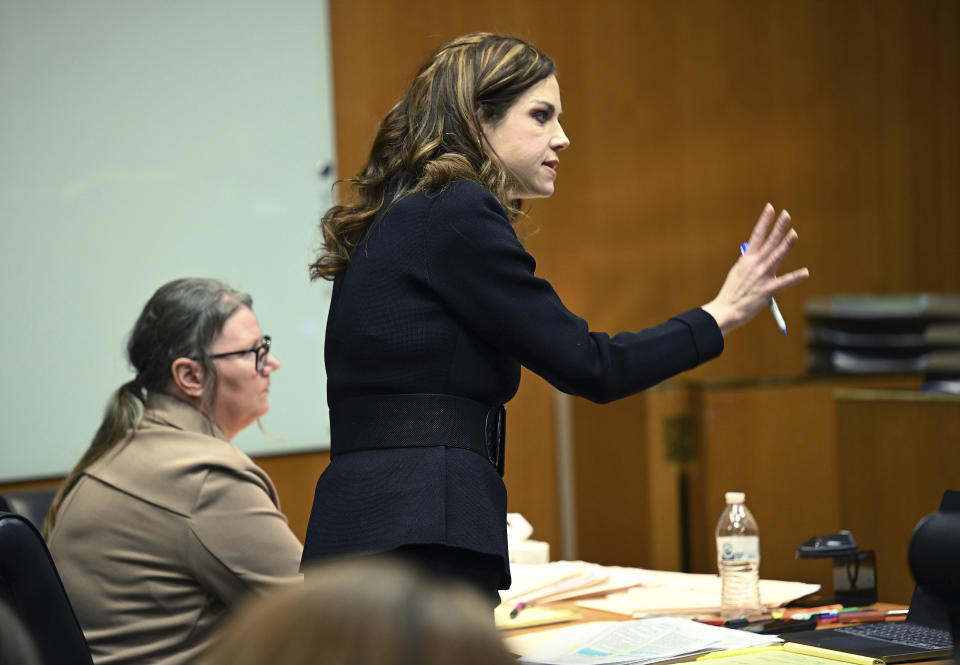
column 790, row 653
column 729, row 653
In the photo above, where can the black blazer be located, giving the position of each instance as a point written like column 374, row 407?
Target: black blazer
column 441, row 298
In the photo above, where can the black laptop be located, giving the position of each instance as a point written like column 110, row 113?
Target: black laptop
column 924, row 635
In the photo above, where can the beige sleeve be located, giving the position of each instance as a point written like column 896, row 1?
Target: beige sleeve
column 240, row 539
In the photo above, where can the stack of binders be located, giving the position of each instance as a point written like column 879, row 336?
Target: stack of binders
column 897, row 333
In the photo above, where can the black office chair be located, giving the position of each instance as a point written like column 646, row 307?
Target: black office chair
column 31, row 587
column 932, row 556
column 32, row 504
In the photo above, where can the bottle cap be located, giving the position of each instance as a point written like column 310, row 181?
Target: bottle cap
column 735, row 497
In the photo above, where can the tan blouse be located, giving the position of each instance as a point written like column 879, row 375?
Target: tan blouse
column 156, row 541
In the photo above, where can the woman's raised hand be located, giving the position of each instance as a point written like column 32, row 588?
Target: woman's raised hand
column 753, row 280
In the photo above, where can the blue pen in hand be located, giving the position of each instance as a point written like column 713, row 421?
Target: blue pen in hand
column 777, row 316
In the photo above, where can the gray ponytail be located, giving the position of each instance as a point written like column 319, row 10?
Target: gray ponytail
column 179, row 321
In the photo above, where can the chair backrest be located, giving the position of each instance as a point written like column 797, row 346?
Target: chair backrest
column 31, row 586
column 32, row 504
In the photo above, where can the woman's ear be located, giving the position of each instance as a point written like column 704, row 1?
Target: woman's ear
column 187, row 375
column 483, row 125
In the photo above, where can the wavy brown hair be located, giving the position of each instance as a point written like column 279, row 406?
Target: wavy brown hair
column 433, row 137
column 370, row 610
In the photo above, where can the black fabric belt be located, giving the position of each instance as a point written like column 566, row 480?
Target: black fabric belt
column 418, row 420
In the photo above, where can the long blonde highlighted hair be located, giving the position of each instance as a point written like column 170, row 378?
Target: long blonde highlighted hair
column 433, row 137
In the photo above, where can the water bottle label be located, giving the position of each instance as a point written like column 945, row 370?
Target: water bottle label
column 738, row 548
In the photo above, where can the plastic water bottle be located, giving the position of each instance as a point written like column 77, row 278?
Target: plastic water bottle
column 738, row 559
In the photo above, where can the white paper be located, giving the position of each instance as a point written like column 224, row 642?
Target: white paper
column 670, row 592
column 566, row 580
column 640, row 641
column 518, row 528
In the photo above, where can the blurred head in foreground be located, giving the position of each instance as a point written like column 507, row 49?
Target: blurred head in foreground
column 366, row 611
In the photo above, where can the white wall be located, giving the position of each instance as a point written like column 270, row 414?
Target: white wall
column 142, row 141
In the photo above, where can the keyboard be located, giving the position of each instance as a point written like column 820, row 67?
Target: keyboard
column 901, row 632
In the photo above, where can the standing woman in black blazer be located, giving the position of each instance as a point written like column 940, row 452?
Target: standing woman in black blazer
column 436, row 306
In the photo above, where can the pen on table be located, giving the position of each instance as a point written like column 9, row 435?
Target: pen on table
column 743, row 622
column 805, row 612
column 516, row 610
column 837, row 615
column 823, row 614
column 828, row 615
column 777, row 316
column 868, row 615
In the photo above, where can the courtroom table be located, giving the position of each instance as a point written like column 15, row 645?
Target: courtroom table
column 589, row 614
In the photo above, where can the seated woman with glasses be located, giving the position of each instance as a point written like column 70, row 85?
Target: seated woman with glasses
column 164, row 524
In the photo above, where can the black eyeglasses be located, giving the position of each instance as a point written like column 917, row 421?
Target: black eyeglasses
column 261, row 351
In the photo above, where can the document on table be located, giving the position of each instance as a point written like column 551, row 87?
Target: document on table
column 786, row 654
column 669, row 592
column 565, row 580
column 531, row 616
column 635, row 642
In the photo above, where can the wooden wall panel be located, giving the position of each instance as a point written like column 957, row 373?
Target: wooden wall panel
column 35, row 484
column 628, row 491
column 778, row 443
column 294, row 476
column 610, row 453
column 685, row 118
column 897, row 452
column 671, row 437
column 530, row 473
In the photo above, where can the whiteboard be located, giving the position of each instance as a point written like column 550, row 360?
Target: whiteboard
column 142, row 141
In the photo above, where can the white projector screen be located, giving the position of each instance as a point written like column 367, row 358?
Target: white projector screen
column 143, row 141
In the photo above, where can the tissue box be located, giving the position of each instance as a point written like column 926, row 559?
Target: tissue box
column 530, row 551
